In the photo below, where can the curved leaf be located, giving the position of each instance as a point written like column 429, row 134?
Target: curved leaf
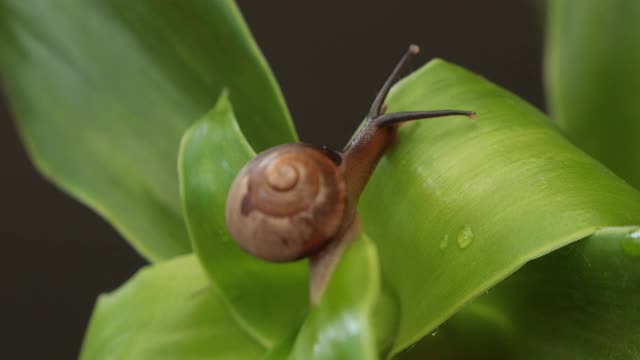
column 341, row 326
column 593, row 78
column 458, row 205
column 271, row 298
column 102, row 91
column 167, row 311
column 580, row 302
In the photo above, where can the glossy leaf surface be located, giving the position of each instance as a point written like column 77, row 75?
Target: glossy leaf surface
column 102, row 92
column 593, row 78
column 168, row 310
column 341, row 326
column 579, row 302
column 271, row 298
column 458, row 205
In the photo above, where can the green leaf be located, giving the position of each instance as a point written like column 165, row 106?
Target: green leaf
column 341, row 326
column 458, row 205
column 593, row 78
column 103, row 90
column 168, row 311
column 271, row 298
column 579, row 302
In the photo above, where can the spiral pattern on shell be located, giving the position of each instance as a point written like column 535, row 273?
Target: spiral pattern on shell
column 287, row 202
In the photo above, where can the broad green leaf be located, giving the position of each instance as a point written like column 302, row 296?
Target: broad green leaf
column 580, row 302
column 168, row 310
column 103, row 90
column 271, row 298
column 458, row 205
column 593, row 78
column 341, row 326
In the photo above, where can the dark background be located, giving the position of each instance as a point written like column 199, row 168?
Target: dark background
column 330, row 57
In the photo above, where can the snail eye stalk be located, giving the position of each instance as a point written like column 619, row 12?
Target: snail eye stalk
column 400, row 117
column 377, row 107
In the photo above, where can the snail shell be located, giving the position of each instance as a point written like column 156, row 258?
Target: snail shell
column 287, row 203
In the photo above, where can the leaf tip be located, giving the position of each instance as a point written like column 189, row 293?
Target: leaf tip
column 223, row 104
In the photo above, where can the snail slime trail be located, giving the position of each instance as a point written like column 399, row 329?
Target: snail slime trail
column 299, row 200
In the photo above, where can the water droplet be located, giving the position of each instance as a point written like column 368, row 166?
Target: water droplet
column 465, row 237
column 445, row 242
column 631, row 243
column 434, row 332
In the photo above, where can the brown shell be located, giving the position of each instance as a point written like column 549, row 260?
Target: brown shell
column 286, row 203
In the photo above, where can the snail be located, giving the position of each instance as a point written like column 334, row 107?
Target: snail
column 299, row 200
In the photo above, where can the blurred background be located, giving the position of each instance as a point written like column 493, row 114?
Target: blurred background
column 329, row 57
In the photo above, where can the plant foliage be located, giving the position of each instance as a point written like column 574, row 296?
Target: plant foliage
column 500, row 237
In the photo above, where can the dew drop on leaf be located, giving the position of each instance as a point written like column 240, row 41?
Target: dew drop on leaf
column 465, row 237
column 445, row 242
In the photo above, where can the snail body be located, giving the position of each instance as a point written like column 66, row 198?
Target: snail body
column 299, row 200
